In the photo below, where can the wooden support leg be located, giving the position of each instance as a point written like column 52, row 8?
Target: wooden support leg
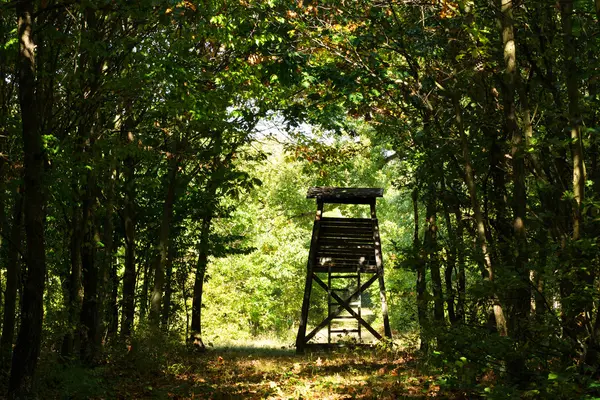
column 301, row 338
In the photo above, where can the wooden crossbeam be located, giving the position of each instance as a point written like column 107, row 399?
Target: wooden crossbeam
column 334, row 314
column 346, row 305
column 344, row 195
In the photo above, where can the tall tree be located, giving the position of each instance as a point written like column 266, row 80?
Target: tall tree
column 27, row 349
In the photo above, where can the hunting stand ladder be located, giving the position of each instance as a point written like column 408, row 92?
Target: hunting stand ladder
column 344, row 249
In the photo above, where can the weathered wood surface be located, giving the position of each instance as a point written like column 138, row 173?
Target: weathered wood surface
column 344, row 195
column 343, row 248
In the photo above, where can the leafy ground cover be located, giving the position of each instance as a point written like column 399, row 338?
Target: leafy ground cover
column 231, row 373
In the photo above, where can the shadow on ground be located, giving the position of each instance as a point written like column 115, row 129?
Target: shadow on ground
column 252, row 373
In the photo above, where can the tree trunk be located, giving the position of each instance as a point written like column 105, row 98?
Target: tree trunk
column 145, row 286
column 113, row 308
column 106, row 262
column 12, row 282
column 162, row 246
column 203, row 250
column 166, row 311
column 129, row 276
column 75, row 289
column 27, row 349
column 431, row 249
column 480, row 225
column 521, row 295
column 421, row 276
column 462, row 281
column 577, row 279
column 90, row 329
column 451, row 262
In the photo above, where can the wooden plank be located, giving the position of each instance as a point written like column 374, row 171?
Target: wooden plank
column 344, row 259
column 346, row 221
column 344, row 195
column 346, row 242
column 346, row 263
column 347, row 230
column 345, row 269
column 357, row 253
column 360, row 237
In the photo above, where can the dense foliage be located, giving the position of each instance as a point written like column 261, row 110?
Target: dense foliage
column 143, row 193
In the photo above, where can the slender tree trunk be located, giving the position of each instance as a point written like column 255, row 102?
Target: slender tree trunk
column 162, row 246
column 90, row 329
column 27, row 349
column 480, row 225
column 451, row 262
column 106, row 262
column 421, row 276
column 12, row 282
column 577, row 279
column 145, row 286
column 571, row 77
column 203, row 250
column 166, row 311
column 521, row 295
column 113, row 308
column 462, row 281
column 129, row 276
column 431, row 248
column 75, row 288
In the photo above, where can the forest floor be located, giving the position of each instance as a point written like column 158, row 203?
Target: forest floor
column 253, row 373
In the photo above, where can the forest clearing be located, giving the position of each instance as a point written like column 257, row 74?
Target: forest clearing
column 183, row 180
column 253, row 373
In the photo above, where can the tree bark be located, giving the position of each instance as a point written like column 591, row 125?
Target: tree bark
column 113, row 308
column 421, row 276
column 451, row 261
column 462, row 281
column 201, row 265
column 106, row 262
column 12, row 282
column 162, row 246
column 145, row 285
column 166, row 311
column 521, row 295
column 90, row 327
column 431, row 248
column 75, row 288
column 27, row 349
column 129, row 276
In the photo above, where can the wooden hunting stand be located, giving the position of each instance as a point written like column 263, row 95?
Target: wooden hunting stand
column 343, row 249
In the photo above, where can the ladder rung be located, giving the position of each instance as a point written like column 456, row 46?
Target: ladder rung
column 344, row 330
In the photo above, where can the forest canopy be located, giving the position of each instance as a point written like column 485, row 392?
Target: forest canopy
column 155, row 157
